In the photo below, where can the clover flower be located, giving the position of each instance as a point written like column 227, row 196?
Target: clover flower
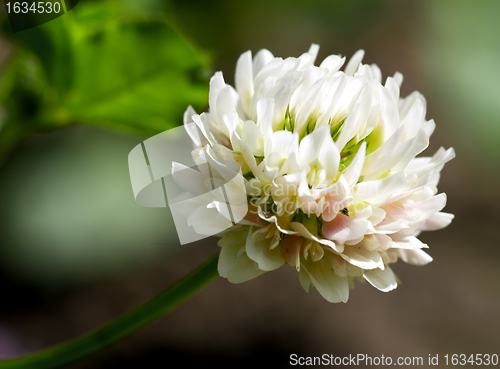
column 333, row 184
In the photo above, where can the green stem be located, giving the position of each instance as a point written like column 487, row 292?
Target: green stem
column 81, row 347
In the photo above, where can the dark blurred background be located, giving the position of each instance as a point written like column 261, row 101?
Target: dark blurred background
column 78, row 93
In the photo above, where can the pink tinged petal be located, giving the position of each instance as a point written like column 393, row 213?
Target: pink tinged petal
column 291, row 248
column 304, row 232
column 261, row 253
column 254, row 218
column 344, row 228
column 354, row 62
column 430, row 206
column 333, row 205
column 415, row 257
column 383, row 280
column 362, row 258
column 437, row 221
column 323, row 277
column 244, row 80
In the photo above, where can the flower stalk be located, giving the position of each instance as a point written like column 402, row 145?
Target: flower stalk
column 127, row 324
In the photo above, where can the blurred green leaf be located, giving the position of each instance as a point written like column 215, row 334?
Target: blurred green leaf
column 101, row 65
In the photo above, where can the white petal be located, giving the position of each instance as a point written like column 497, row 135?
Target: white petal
column 398, row 77
column 304, row 280
column 409, row 243
column 244, row 80
column 216, row 85
column 260, row 60
column 354, row 62
column 265, row 109
column 415, row 257
column 379, row 192
column 260, row 253
column 389, row 113
column 225, row 104
column 362, row 258
column 383, row 280
column 332, row 287
column 318, row 148
column 357, row 118
column 437, row 221
column 253, row 138
column 333, row 63
column 313, row 52
column 392, row 85
column 381, row 154
column 353, row 171
column 189, row 179
column 234, row 264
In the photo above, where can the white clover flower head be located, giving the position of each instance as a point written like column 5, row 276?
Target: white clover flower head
column 333, row 184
